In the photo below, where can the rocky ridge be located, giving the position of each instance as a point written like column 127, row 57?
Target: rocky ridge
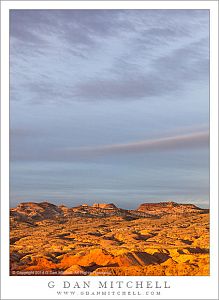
column 31, row 211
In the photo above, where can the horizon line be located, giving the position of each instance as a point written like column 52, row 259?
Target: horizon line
column 108, row 203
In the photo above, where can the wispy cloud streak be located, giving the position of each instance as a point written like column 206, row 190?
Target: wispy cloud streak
column 185, row 141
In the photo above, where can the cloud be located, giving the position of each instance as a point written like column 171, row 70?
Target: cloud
column 21, row 132
column 74, row 27
column 105, row 54
column 190, row 62
column 166, row 74
column 124, row 88
column 24, row 148
column 64, row 67
column 186, row 141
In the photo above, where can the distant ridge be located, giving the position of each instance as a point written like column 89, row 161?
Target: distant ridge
column 33, row 212
column 162, row 208
column 169, row 204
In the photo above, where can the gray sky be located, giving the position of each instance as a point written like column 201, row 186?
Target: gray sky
column 109, row 105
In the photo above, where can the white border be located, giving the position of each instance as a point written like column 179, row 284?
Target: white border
column 24, row 287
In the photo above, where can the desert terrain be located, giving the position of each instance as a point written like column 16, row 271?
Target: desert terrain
column 155, row 239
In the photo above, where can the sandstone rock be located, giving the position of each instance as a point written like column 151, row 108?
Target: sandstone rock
column 105, row 205
column 87, row 258
column 166, row 239
column 75, row 270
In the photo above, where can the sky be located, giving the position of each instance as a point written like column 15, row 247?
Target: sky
column 109, row 106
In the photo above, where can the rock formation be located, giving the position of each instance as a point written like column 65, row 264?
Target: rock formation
column 156, row 239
